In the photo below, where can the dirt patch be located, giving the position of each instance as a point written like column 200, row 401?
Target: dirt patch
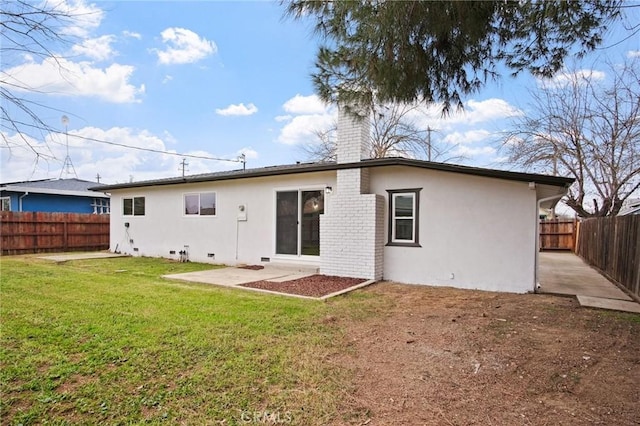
column 73, row 383
column 436, row 356
column 313, row 285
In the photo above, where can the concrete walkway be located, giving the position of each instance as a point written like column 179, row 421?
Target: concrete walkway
column 566, row 274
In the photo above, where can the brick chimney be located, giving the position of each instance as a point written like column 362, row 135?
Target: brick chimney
column 353, row 136
column 352, row 228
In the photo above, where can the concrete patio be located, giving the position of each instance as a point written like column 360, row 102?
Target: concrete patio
column 564, row 273
column 64, row 257
column 234, row 276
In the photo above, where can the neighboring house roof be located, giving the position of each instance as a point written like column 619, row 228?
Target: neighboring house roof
column 74, row 187
column 328, row 166
column 631, row 207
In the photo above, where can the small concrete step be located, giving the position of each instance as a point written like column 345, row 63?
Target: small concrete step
column 303, row 268
column 611, row 304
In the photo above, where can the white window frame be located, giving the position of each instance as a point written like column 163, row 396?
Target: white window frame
column 133, row 206
column 101, row 206
column 414, row 193
column 199, row 213
column 2, row 201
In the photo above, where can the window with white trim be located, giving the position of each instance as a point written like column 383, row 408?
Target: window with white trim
column 134, row 206
column 200, row 204
column 100, row 206
column 5, row 204
column 403, row 217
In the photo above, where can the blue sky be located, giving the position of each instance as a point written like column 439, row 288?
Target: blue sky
column 210, row 79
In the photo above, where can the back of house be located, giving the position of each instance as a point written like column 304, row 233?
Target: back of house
column 397, row 219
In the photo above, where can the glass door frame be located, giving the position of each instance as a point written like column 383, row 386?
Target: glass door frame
column 299, row 190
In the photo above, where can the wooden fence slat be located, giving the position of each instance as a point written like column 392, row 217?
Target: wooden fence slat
column 34, row 232
column 557, row 234
column 612, row 245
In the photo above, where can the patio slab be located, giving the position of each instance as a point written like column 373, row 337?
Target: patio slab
column 64, row 257
column 231, row 276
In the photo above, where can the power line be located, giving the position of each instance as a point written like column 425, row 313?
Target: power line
column 157, row 151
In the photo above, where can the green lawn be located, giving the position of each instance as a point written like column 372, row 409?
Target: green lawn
column 109, row 341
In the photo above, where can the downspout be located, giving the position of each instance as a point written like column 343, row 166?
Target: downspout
column 537, row 262
column 20, row 200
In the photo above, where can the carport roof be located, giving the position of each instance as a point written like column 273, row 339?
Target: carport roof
column 297, row 168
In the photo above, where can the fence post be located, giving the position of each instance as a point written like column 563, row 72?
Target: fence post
column 637, row 289
column 65, row 238
column 34, row 221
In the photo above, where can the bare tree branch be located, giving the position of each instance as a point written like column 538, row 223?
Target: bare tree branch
column 32, row 29
column 393, row 134
column 587, row 128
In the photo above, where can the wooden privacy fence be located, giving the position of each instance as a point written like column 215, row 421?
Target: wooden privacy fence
column 38, row 232
column 612, row 244
column 558, row 234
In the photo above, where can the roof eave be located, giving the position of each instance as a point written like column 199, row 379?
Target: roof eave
column 319, row 167
column 50, row 191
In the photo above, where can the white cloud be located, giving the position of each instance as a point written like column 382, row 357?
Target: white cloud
column 132, row 34
column 488, row 110
column 305, row 105
column 84, row 17
column 166, row 79
column 184, row 47
column 58, row 76
column 239, row 109
column 302, row 129
column 96, row 48
column 469, row 152
column 306, row 116
column 248, row 152
column 114, row 163
column 564, row 78
column 468, row 137
column 474, row 112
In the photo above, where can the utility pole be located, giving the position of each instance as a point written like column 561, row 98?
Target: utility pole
column 429, row 143
column 183, row 165
column 98, row 177
column 243, row 159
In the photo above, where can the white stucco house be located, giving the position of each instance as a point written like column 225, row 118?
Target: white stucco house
column 397, row 219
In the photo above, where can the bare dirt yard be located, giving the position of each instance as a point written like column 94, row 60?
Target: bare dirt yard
column 439, row 356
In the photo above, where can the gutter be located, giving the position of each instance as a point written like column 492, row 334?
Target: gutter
column 20, row 200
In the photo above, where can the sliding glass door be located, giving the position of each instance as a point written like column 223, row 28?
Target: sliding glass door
column 298, row 222
column 287, row 222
